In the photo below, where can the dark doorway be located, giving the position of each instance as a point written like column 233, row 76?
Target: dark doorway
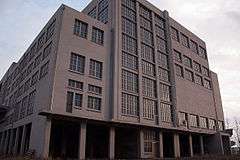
column 196, row 142
column 27, row 137
column 226, row 145
column 184, row 145
column 20, row 134
column 168, row 145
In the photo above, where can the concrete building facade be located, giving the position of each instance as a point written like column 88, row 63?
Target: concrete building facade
column 121, row 79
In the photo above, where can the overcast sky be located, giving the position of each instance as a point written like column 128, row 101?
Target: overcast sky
column 217, row 22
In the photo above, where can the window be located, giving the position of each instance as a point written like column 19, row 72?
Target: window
column 166, row 112
column 78, row 100
column 149, row 87
column 146, row 13
column 189, row 75
column 163, row 74
column 193, row 120
column 205, row 71
column 50, row 30
column 47, row 50
column 30, row 68
column 182, row 119
column 130, row 104
column 203, row 122
column 149, row 107
column 160, row 32
column 197, row 67
column 38, row 60
column 129, row 81
column 34, row 78
column 94, row 103
column 129, row 44
column 103, row 11
column 150, row 141
column 161, row 45
column 165, row 92
column 202, row 52
column 94, row 89
column 184, row 40
column 96, row 68
column 211, row 124
column 31, row 102
column 187, row 61
column 159, row 21
column 27, row 85
column 129, row 61
column 129, row 27
column 174, row 34
column 23, row 107
column 130, row 3
column 80, row 28
column 75, row 84
column 97, row 36
column 41, row 41
column 163, row 60
column 220, row 125
column 128, row 13
column 148, row 68
column 146, row 36
column 198, row 79
column 69, row 102
column 145, row 23
column 177, row 56
column 147, row 53
column 44, row 70
column 16, row 111
column 193, row 46
column 77, row 63
column 207, row 84
column 93, row 13
column 179, row 70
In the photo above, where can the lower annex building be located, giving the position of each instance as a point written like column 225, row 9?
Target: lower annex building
column 121, row 79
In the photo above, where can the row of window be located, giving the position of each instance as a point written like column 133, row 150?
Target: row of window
column 81, row 30
column 198, row 121
column 189, row 75
column 77, row 64
column 185, row 41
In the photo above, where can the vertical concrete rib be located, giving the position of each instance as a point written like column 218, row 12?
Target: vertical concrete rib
column 191, row 145
column 47, row 138
column 201, row 144
column 160, row 145
column 176, row 145
column 82, row 140
column 112, row 143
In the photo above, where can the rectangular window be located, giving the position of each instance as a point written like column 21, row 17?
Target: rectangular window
column 159, row 21
column 130, row 3
column 150, row 141
column 177, row 56
column 148, row 68
column 202, row 52
column 97, row 36
column 205, row 71
column 166, row 112
column 165, row 92
column 196, row 66
column 24, row 107
column 146, row 13
column 69, row 102
column 31, row 102
column 163, row 74
column 193, row 122
column 149, row 108
column 149, row 87
column 182, row 119
column 221, row 125
column 145, row 23
column 128, row 13
column 198, row 79
column 129, row 61
column 30, row 68
column 93, row 13
column 207, row 84
column 174, row 34
column 146, row 36
column 34, row 78
column 27, row 85
column 161, row 45
column 160, row 32
column 189, row 75
column 47, row 50
column 44, row 70
column 78, row 98
column 50, row 30
column 103, row 11
column 147, row 53
column 38, row 60
column 75, row 84
column 129, row 27
column 129, row 81
column 187, row 61
column 16, row 111
column 94, row 89
column 130, row 105
column 96, row 69
column 212, row 124
column 77, row 63
column 129, row 44
column 41, row 41
column 94, row 103
column 203, row 122
column 193, row 46
column 179, row 70
column 163, row 60
column 184, row 40
column 80, row 28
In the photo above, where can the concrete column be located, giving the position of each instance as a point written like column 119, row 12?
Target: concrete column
column 1, row 142
column 23, row 139
column 10, row 142
column 112, row 143
column 191, row 145
column 141, row 138
column 82, row 140
column 201, row 145
column 160, row 145
column 47, row 134
column 16, row 142
column 5, row 143
column 176, row 145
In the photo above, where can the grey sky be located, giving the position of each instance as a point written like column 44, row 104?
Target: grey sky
column 217, row 22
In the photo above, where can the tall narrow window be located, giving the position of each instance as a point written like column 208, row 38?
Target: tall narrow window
column 193, row 120
column 187, row 61
column 198, row 79
column 130, row 105
column 69, row 102
column 149, row 108
column 47, row 50
column 77, row 100
column 80, row 28
column 129, row 81
column 77, row 63
column 148, row 68
column 44, row 70
column 166, row 112
column 163, row 74
column 177, row 56
column 97, row 36
column 50, row 30
column 94, row 103
column 184, row 40
column 31, row 102
column 96, row 68
column 41, row 41
column 179, row 70
column 174, row 34
column 197, row 67
column 193, row 46
column 149, row 87
column 129, row 61
column 203, row 52
column 189, row 75
column 165, row 92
